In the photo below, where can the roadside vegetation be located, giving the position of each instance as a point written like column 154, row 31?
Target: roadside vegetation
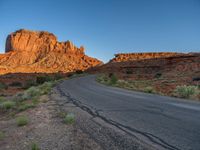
column 78, row 73
column 28, row 98
column 2, row 135
column 22, row 120
column 187, row 91
column 3, row 86
column 34, row 146
column 112, row 80
column 148, row 86
column 69, row 118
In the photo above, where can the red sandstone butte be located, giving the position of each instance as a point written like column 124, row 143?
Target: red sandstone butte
column 40, row 52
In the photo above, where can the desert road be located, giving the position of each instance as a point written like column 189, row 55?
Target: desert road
column 169, row 123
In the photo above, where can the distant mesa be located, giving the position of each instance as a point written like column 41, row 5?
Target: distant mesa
column 122, row 57
column 39, row 51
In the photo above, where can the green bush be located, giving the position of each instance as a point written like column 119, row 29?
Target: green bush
column 42, row 79
column 34, row 146
column 62, row 114
column 2, row 135
column 186, row 91
column 22, row 120
column 58, row 76
column 17, row 84
column 129, row 71
column 113, row 79
column 70, row 75
column 46, row 87
column 29, row 83
column 33, row 91
column 3, row 86
column 158, row 75
column 2, row 99
column 148, row 90
column 24, row 106
column 69, row 118
column 79, row 71
column 7, row 104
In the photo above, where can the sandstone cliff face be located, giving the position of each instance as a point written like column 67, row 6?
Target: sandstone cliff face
column 163, row 73
column 147, row 65
column 139, row 56
column 32, row 51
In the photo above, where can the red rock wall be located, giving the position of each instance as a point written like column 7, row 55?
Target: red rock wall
column 139, row 56
column 32, row 51
column 26, row 40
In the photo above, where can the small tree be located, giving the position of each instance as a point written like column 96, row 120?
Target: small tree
column 113, row 79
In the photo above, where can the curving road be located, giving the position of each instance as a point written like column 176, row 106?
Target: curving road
column 166, row 122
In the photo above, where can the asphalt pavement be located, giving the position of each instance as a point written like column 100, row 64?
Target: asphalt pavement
column 167, row 122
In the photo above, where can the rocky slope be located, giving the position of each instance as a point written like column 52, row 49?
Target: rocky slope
column 38, row 51
column 164, row 70
column 121, row 57
column 148, row 64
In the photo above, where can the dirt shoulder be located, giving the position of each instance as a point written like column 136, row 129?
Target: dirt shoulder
column 45, row 129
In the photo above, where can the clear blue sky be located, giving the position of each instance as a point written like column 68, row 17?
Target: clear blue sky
column 106, row 27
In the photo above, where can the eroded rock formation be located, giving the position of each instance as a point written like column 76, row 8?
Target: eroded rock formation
column 147, row 65
column 121, row 57
column 38, row 51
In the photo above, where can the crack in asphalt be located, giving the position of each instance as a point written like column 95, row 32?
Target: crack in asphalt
column 130, row 131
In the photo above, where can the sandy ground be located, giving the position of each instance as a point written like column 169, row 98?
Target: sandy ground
column 45, row 128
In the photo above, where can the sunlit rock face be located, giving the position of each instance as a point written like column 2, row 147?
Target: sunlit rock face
column 121, row 57
column 146, row 65
column 39, row 51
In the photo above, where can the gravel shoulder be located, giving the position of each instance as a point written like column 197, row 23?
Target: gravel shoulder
column 45, row 128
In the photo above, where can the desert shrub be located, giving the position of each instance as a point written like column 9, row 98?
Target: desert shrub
column 79, row 71
column 102, row 78
column 62, row 114
column 28, row 94
column 42, row 79
column 32, row 91
column 7, row 105
column 22, row 120
column 35, row 100
column 70, row 75
column 24, row 106
column 29, row 83
column 58, row 76
column 2, row 135
column 2, row 99
column 148, row 89
column 113, row 79
column 17, row 84
column 3, row 86
column 24, row 96
column 46, row 87
column 34, row 146
column 129, row 71
column 186, row 91
column 69, row 118
column 158, row 75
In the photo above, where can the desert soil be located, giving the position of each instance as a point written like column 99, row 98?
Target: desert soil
column 45, row 128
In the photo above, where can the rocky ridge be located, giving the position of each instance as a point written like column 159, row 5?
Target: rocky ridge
column 121, row 57
column 39, row 51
